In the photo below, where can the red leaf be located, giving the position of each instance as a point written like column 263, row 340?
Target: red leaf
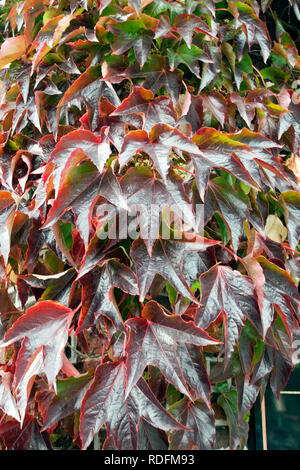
column 165, row 259
column 152, row 340
column 224, row 290
column 44, row 331
column 27, row 438
column 97, row 293
column 146, row 198
column 154, row 110
column 89, row 88
column 97, row 148
column 105, row 402
column 162, row 139
column 200, row 423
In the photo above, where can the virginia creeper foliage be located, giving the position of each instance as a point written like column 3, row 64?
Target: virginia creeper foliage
column 180, row 119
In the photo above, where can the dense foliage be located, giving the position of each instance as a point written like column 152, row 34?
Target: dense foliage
column 149, row 220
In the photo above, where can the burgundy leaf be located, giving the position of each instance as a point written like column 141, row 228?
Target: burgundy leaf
column 165, row 260
column 279, row 289
column 200, row 423
column 162, row 139
column 105, row 402
column 117, row 124
column 192, row 365
column 89, row 88
column 232, row 205
column 217, row 150
column 152, row 340
column 97, row 148
column 29, row 437
column 146, row 198
column 158, row 74
column 97, row 293
column 154, row 110
column 227, row 291
column 68, row 399
column 44, row 331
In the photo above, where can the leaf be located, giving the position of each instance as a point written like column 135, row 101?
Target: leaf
column 79, row 186
column 158, row 74
column 246, row 391
column 22, row 389
column 193, row 367
column 238, row 433
column 27, row 438
column 93, row 255
column 194, row 114
column 210, row 73
column 186, row 24
column 227, row 291
column 68, row 399
column 256, row 273
column 44, row 327
column 89, row 88
column 280, row 289
column 188, row 56
column 20, row 73
column 275, row 229
column 117, row 125
column 151, row 438
column 7, row 401
column 147, row 198
column 165, row 260
column 121, row 414
column 7, row 208
column 256, row 29
column 97, row 293
column 12, row 49
column 290, row 122
column 96, row 148
column 162, row 139
column 152, row 340
column 260, row 155
column 217, row 150
column 200, row 423
column 154, row 110
column 290, row 201
column 216, row 104
column 54, row 284
column 231, row 204
column 264, row 365
column 49, row 36
column 134, row 33
column 280, row 373
column 78, row 189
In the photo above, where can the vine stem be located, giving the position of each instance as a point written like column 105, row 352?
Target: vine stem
column 102, row 354
column 231, row 252
column 3, row 417
column 261, row 77
column 183, row 169
column 290, row 249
